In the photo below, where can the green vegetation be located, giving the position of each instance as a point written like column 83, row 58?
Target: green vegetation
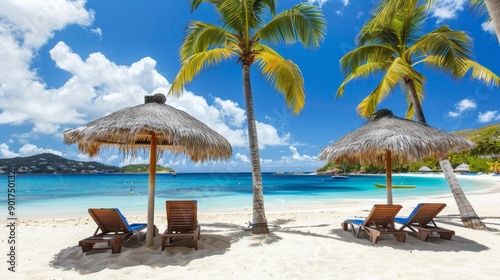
column 144, row 168
column 486, row 133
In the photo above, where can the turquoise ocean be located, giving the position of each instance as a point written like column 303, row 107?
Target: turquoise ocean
column 55, row 195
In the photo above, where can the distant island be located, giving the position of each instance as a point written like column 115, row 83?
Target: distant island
column 48, row 163
column 144, row 168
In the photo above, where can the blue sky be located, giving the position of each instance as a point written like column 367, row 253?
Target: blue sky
column 65, row 63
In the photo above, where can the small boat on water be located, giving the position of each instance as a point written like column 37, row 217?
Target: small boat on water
column 339, row 177
column 396, row 186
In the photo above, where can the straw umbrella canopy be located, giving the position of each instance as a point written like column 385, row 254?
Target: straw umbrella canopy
column 386, row 137
column 462, row 168
column 154, row 127
column 425, row 169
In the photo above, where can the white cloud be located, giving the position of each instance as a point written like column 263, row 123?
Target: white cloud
column 461, row 107
column 242, row 158
column 30, row 149
column 84, row 157
column 224, row 116
column 318, row 2
column 34, row 22
column 133, row 160
column 268, row 136
column 6, row 152
column 230, row 110
column 26, row 150
column 292, row 162
column 488, row 116
column 97, row 31
column 297, row 156
column 447, row 9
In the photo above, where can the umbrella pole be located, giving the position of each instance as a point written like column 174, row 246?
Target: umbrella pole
column 151, row 191
column 388, row 176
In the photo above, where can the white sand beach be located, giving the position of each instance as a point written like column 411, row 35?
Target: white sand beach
column 304, row 243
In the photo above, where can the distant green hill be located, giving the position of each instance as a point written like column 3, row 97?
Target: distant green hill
column 488, row 132
column 50, row 163
column 144, row 168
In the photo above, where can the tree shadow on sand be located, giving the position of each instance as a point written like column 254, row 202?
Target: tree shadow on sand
column 72, row 258
column 216, row 239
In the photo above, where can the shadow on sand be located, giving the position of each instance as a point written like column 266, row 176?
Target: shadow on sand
column 217, row 239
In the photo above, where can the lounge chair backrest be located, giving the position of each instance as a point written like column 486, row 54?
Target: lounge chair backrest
column 424, row 213
column 182, row 215
column 110, row 220
column 382, row 214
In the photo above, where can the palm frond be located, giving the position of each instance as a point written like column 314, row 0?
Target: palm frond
column 369, row 53
column 412, row 22
column 395, row 73
column 303, row 23
column 478, row 7
column 385, row 10
column 192, row 66
column 363, row 71
column 446, row 49
column 483, row 74
column 284, row 75
column 374, row 34
column 200, row 37
column 196, row 3
column 245, row 17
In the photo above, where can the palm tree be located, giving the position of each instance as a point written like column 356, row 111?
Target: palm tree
column 241, row 36
column 391, row 44
column 482, row 7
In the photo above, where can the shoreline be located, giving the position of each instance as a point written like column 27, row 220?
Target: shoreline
column 78, row 209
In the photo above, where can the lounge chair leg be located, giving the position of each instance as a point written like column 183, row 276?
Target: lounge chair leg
column 445, row 235
column 401, row 237
column 86, row 246
column 423, row 234
column 344, row 226
column 116, row 245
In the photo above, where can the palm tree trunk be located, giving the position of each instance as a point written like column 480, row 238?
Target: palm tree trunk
column 467, row 213
column 417, row 107
column 259, row 221
column 493, row 7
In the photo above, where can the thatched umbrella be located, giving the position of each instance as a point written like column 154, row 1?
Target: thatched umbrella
column 425, row 169
column 152, row 126
column 464, row 167
column 386, row 137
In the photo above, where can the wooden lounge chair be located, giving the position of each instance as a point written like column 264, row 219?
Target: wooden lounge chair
column 379, row 222
column 182, row 224
column 421, row 221
column 112, row 229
